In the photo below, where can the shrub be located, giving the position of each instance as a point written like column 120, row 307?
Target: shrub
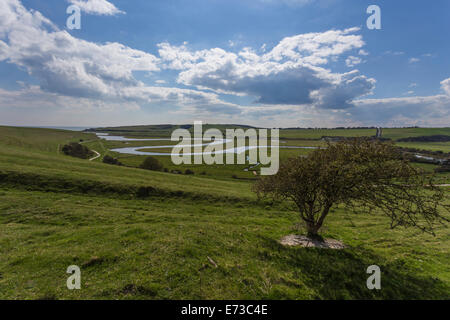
column 151, row 163
column 189, row 171
column 144, row 192
column 77, row 150
column 111, row 160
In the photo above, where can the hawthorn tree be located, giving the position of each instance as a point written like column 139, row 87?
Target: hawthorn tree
column 364, row 175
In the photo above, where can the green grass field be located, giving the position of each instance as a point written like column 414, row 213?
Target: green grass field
column 139, row 234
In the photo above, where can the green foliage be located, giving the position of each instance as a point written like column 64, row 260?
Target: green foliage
column 365, row 175
column 151, row 163
column 77, row 150
column 110, row 160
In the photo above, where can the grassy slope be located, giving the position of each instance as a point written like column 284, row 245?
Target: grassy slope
column 43, row 140
column 23, row 156
column 159, row 247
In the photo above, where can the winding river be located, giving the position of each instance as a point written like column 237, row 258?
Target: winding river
column 136, row 150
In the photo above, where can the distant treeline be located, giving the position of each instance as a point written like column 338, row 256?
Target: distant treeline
column 345, row 128
column 339, row 138
column 337, row 128
column 435, row 138
column 159, row 127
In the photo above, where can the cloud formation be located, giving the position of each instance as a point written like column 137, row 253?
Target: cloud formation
column 62, row 63
column 67, row 66
column 291, row 73
column 290, row 84
column 97, row 7
column 445, row 85
column 352, row 61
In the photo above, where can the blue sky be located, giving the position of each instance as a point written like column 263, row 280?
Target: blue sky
column 308, row 63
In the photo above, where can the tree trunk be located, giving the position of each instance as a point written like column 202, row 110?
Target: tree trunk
column 313, row 231
column 313, row 227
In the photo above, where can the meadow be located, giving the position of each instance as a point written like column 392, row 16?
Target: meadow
column 139, row 234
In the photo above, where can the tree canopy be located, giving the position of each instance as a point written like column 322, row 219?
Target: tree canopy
column 365, row 175
column 77, row 150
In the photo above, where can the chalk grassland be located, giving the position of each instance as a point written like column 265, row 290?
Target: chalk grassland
column 36, row 161
column 288, row 137
column 139, row 234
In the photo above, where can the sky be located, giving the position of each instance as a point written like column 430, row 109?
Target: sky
column 269, row 63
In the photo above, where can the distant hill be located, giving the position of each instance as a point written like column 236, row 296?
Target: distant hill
column 161, row 130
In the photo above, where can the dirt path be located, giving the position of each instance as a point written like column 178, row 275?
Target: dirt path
column 97, row 155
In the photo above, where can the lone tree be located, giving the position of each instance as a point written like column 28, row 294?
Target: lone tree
column 362, row 174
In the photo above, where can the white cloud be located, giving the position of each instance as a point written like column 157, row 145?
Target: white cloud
column 290, row 73
column 352, row 61
column 292, row 83
column 64, row 64
column 71, row 67
column 315, row 48
column 363, row 52
column 445, row 85
column 97, row 7
column 407, row 111
column 414, row 60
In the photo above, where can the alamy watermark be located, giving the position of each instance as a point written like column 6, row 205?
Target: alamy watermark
column 374, row 20
column 231, row 149
column 74, row 20
column 374, row 281
column 74, row 281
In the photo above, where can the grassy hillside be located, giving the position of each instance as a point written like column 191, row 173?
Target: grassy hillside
column 36, row 139
column 151, row 235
